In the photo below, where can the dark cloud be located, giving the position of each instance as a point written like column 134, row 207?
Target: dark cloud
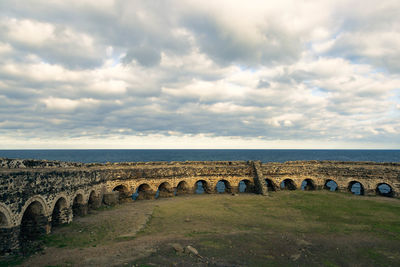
column 145, row 55
column 263, row 84
column 226, row 46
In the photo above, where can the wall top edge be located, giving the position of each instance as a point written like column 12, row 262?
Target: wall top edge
column 23, row 164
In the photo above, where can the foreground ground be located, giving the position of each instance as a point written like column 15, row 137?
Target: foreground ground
column 284, row 229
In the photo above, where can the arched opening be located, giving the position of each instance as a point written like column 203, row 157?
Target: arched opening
column 223, row 186
column 288, row 184
column 94, row 201
column 3, row 220
column 60, row 213
column 201, row 187
column 78, row 207
column 8, row 240
column 331, row 185
column 356, row 188
column 245, row 186
column 34, row 224
column 164, row 190
column 385, row 190
column 143, row 192
column 270, row 185
column 123, row 191
column 182, row 188
column 307, row 185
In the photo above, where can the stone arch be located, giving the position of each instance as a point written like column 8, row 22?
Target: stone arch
column 245, row 186
column 8, row 236
column 34, row 223
column 61, row 195
column 288, row 184
column 201, row 186
column 76, row 193
column 307, row 184
column 144, row 191
column 270, row 184
column 182, row 188
column 356, row 188
column 37, row 198
column 4, row 222
column 5, row 217
column 94, row 200
column 123, row 191
column 384, row 189
column 165, row 190
column 223, row 186
column 61, row 213
column 79, row 207
column 331, row 185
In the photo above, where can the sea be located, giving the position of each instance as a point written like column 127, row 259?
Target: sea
column 146, row 155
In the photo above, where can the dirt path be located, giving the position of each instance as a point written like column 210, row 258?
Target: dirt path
column 128, row 219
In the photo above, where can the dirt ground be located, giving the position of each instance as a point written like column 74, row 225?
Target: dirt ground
column 284, row 229
column 116, row 247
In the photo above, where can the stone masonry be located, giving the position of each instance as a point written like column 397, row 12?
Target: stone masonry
column 36, row 195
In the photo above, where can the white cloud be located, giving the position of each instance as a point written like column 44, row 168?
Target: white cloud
column 67, row 105
column 61, row 104
column 378, row 48
column 208, row 91
column 27, row 31
column 5, row 48
column 109, row 87
column 53, row 43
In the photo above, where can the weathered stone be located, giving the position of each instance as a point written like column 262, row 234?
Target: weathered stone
column 191, row 250
column 94, row 202
column 111, row 198
column 59, row 191
column 177, row 247
column 295, row 257
column 259, row 183
column 302, row 243
column 80, row 209
column 9, row 240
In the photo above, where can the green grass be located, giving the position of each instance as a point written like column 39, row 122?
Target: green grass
column 325, row 228
column 78, row 235
column 13, row 261
column 341, row 214
column 267, row 226
column 313, row 212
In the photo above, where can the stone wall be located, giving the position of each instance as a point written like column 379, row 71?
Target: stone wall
column 48, row 193
column 368, row 174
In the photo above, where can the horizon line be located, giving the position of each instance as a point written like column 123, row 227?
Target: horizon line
column 392, row 149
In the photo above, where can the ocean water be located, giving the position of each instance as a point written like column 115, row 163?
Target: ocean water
column 144, row 155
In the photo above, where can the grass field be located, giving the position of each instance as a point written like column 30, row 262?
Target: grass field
column 284, row 229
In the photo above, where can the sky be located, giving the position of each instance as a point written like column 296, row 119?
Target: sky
column 200, row 74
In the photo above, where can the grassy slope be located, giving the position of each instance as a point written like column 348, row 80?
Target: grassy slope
column 322, row 227
column 288, row 228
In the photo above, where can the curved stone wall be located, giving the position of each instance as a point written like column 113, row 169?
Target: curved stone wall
column 368, row 174
column 42, row 194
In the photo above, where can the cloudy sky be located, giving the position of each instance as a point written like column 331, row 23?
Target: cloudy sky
column 200, row 74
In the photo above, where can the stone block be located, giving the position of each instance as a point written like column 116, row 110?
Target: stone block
column 111, row 198
column 9, row 240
